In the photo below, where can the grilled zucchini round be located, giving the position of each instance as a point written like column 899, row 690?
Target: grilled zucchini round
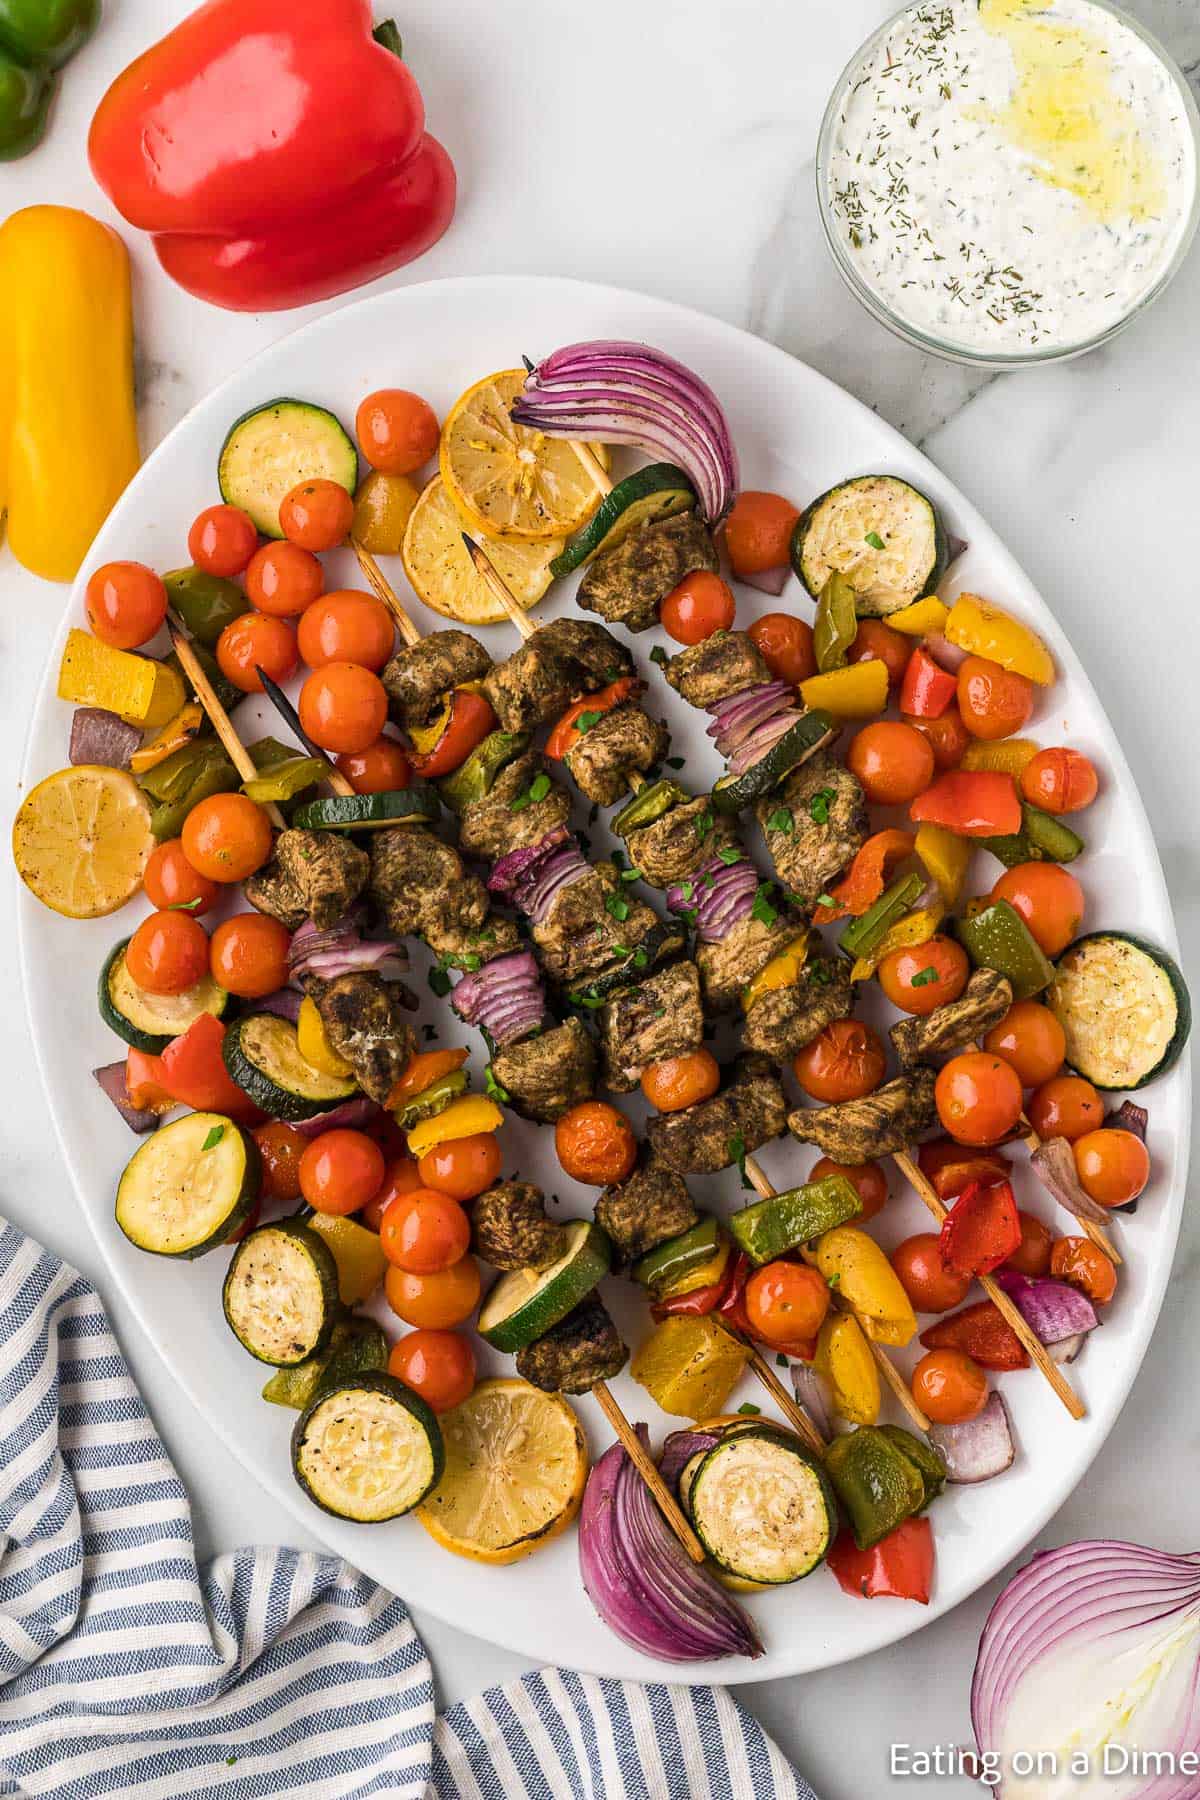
column 367, row 1449
column 526, row 1303
column 189, row 1187
column 882, row 533
column 263, row 1056
column 368, row 812
column 1124, row 1007
column 762, row 1506
column 272, row 448
column 281, row 1293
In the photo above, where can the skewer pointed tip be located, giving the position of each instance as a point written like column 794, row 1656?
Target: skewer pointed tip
column 469, row 541
column 529, row 367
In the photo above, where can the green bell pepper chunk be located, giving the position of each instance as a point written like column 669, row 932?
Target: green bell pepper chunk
column 216, row 777
column 653, row 802
column 25, row 96
column 474, row 779
column 286, row 780
column 835, row 625
column 770, row 1228
column 205, row 603
column 36, row 38
column 924, row 1458
column 878, row 1484
column 433, row 1100
column 357, row 1347
column 998, row 938
column 662, row 1268
column 1042, row 838
column 863, row 934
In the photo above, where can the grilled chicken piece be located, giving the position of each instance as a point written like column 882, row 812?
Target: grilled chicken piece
column 566, row 658
column 506, row 819
column 545, row 1075
column 315, row 875
column 714, row 1133
column 364, row 1021
column 982, row 1004
column 510, row 1229
column 420, row 675
column 628, row 585
column 421, row 887
column 815, row 823
column 783, row 1020
column 647, row 1209
column 623, row 742
column 857, row 1131
column 582, row 935
column 660, row 1017
column 725, row 663
column 677, row 846
column 726, row 967
column 577, row 1353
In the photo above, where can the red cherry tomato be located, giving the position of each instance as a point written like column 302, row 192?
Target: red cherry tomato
column 226, row 837
column 249, row 955
column 1066, row 1106
column 785, row 644
column 876, row 642
column 438, row 1365
column 700, row 605
column 222, row 540
column 946, row 736
column 845, row 1062
column 126, row 604
column 254, row 642
column 786, row 1302
column 1030, row 1038
column 978, row 1098
column 1032, row 1256
column 346, row 626
column 379, row 769
column 397, row 430
column 949, row 1386
column 424, row 1232
column 1077, row 1260
column 168, row 953
column 993, row 702
column 595, row 1143
column 1113, row 1165
column 867, row 1179
column 400, row 1177
column 1048, row 898
column 281, row 1148
column 343, row 707
column 893, row 762
column 920, row 977
column 758, row 531
column 282, row 580
column 340, row 1171
column 446, row 1298
column 924, row 1276
column 462, row 1168
column 678, row 1082
column 1060, row 781
column 170, row 880
column 317, row 515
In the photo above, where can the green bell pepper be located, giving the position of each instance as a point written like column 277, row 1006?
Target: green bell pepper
column 286, row 780
column 770, row 1228
column 664, row 1267
column 878, row 1484
column 432, row 1100
column 36, row 38
column 474, row 779
column 651, row 803
column 924, row 1458
column 205, row 603
column 998, row 938
column 862, row 935
column 1042, row 838
column 836, row 623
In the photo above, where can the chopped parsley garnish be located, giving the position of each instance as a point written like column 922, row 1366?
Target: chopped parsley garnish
column 704, row 824
column 538, row 788
column 818, row 806
column 781, row 820
column 826, row 900
column 708, row 880
column 873, row 538
column 729, row 854
column 641, row 957
column 428, row 1033
column 689, row 916
column 617, row 905
column 658, row 655
column 781, row 1361
column 470, row 961
column 834, row 1280
column 736, row 1147
column 748, row 1407
column 630, row 874
column 688, row 890
column 620, row 949
column 188, row 905
column 578, row 998
column 763, row 910
column 820, row 973
column 924, row 976
column 586, row 720
column 213, row 1139
column 675, row 762
column 439, row 982
column 493, row 1086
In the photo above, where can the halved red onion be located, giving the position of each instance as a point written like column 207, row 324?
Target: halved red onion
column 99, row 736
column 351, row 1115
column 1053, row 1309
column 111, row 1079
column 1053, row 1162
column 505, row 998
column 979, row 1448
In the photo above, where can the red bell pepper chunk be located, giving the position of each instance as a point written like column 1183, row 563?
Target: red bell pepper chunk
column 470, row 720
column 950, row 1167
column 981, row 1230
column 970, row 803
column 144, row 1082
column 983, row 1333
column 898, row 1567
column 194, row 1073
column 927, row 688
column 698, row 1303
column 566, row 733
column 867, row 875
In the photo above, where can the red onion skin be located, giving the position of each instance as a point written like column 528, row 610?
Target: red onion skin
column 1053, row 1162
column 352, row 1115
column 285, row 1003
column 767, row 581
column 679, row 1449
column 1053, row 1309
column 100, row 736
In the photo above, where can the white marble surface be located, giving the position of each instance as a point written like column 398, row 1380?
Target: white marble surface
column 668, row 146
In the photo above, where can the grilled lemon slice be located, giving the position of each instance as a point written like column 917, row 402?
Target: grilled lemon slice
column 442, row 574
column 506, row 479
column 82, row 839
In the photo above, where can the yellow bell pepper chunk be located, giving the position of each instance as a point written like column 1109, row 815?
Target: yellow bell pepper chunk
column 844, row 1358
column 856, row 1267
column 187, row 724
column 1007, row 756
column 141, row 691
column 690, row 1366
column 921, row 618
column 977, row 626
column 462, row 1118
column 914, row 928
column 361, row 1264
column 783, row 971
column 315, row 1047
column 858, row 691
column 945, row 859
column 708, row 1272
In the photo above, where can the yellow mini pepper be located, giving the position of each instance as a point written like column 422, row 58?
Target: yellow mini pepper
column 857, row 1268
column 914, row 928
column 982, row 629
column 782, row 971
column 361, row 1264
column 68, row 429
column 921, row 618
column 944, row 857
column 844, row 1358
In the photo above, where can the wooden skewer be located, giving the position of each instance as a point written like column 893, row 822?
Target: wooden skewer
column 221, row 722
column 291, row 717
column 383, row 589
column 648, row 1470
column 498, row 588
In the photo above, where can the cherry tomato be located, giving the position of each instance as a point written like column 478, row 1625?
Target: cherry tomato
column 680, row 1081
column 758, row 532
column 949, row 1386
column 379, row 769
column 876, row 642
column 1048, row 898
column 1113, row 1165
column 785, row 644
column 340, row 1171
column 397, row 431
column 317, row 515
column 168, row 953
column 1066, row 1107
column 867, row 1179
column 282, row 580
column 346, row 626
column 893, row 762
column 947, row 737
column 786, row 1302
column 1031, row 1040
column 1060, row 781
column 464, row 1167
column 226, row 837
column 281, row 1148
column 424, row 1232
column 700, row 605
column 126, row 604
column 170, row 880
column 845, row 1062
column 919, row 977
column 993, row 702
column 929, row 1284
column 222, row 540
column 254, row 642
column 1077, row 1260
column 471, row 720
column 595, row 1143
column 978, row 1098
column 249, row 955
column 401, row 1176
column 438, row 1365
column 343, row 707
column 446, row 1298
column 1032, row 1258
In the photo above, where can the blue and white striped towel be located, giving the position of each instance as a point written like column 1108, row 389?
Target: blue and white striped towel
column 127, row 1671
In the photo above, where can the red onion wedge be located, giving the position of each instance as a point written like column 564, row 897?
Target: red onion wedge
column 814, row 1396
column 678, row 1451
column 352, row 1115
column 949, row 656
column 1053, row 1309
column 285, row 1003
column 532, row 878
column 978, row 1448
column 720, row 895
column 505, row 998
column 767, row 581
column 1129, row 1117
column 342, row 950
column 1053, row 1162
column 98, row 736
column 112, row 1084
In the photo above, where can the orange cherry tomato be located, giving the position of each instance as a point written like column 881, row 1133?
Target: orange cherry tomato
column 1066, row 1106
column 126, row 604
column 471, row 720
column 346, row 626
column 254, row 642
column 924, row 1276
column 978, row 1098
column 876, row 642
column 281, row 1148
column 595, row 1143
column 222, row 540
column 1060, row 781
column 1077, row 1260
column 226, row 837
column 893, row 762
column 947, row 737
column 397, row 430
column 867, row 1179
column 168, row 953
column 1030, row 1038
column 1048, row 898
column 249, row 955
column 845, row 1062
column 950, row 1386
column 401, row 1176
column 438, row 1365
column 1032, row 1257
column 700, row 605
column 170, row 880
column 424, row 1232
column 993, row 702
column 786, row 1302
column 919, row 977
column 343, row 707
column 464, row 1168
column 785, row 644
column 340, row 1171
column 379, row 769
column 437, row 1301
column 758, row 531
column 317, row 515
column 680, row 1081
column 1113, row 1165
column 282, row 579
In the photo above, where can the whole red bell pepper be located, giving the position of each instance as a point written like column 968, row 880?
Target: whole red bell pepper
column 276, row 149
column 898, row 1567
column 981, row 1230
column 927, row 689
column 970, row 803
column 983, row 1333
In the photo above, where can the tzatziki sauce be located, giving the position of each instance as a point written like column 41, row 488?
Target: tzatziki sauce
column 1010, row 177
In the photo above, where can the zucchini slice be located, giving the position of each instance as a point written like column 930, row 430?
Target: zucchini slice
column 281, row 1293
column 658, row 491
column 811, row 732
column 1124, row 1006
column 368, row 812
column 263, row 1056
column 272, row 448
column 149, row 1021
column 526, row 1303
column 762, row 1507
column 357, row 1347
column 661, row 943
column 367, row 1449
column 878, row 531
column 189, row 1187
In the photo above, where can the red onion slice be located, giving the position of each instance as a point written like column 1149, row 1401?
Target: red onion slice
column 1129, row 1117
column 111, row 1080
column 351, row 1115
column 99, row 736
column 736, row 716
column 285, row 1003
column 505, row 998
column 679, row 1449
column 978, row 1449
column 767, row 581
column 722, row 894
column 948, row 655
column 533, row 878
column 1053, row 1309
